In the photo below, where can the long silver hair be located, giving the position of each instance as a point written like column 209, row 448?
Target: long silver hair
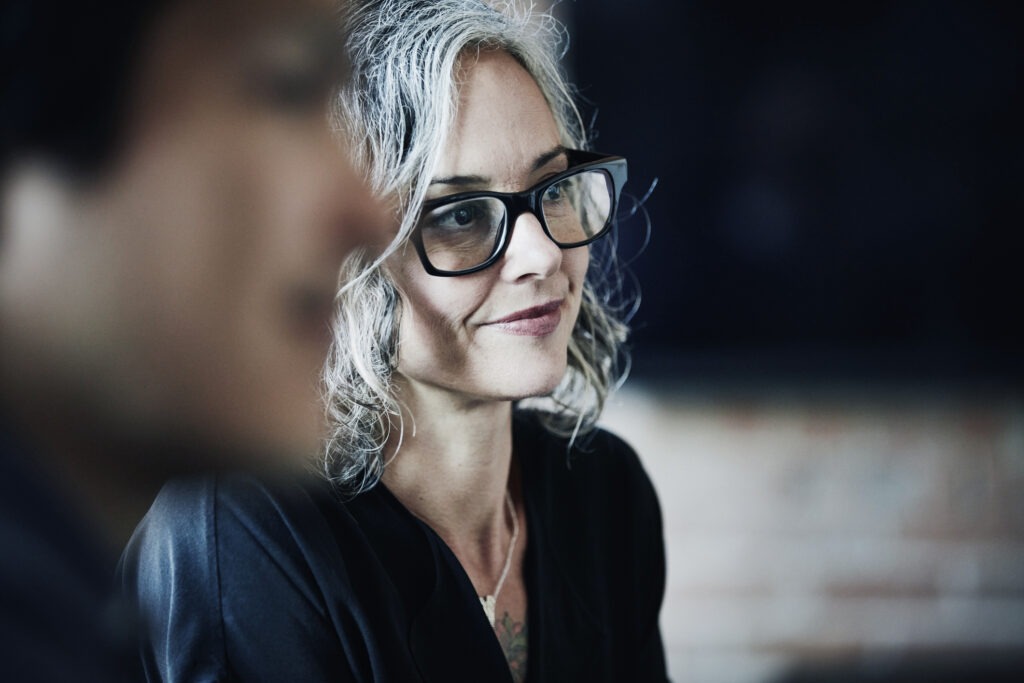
column 396, row 112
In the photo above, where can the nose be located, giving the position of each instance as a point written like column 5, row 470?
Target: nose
column 531, row 254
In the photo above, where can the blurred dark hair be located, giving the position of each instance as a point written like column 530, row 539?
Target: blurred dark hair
column 65, row 69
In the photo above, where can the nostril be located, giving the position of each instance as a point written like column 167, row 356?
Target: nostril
column 531, row 253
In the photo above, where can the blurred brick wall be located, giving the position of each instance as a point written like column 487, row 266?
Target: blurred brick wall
column 813, row 525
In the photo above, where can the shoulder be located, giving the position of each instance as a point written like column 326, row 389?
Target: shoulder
column 183, row 523
column 205, row 549
column 592, row 493
column 193, row 522
column 599, row 461
column 598, row 525
column 182, row 515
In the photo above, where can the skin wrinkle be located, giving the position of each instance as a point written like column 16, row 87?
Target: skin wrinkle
column 470, row 182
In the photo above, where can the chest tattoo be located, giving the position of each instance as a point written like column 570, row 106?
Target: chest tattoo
column 512, row 636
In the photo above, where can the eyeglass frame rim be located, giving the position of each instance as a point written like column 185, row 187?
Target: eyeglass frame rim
column 526, row 201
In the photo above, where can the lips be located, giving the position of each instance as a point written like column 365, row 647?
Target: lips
column 536, row 321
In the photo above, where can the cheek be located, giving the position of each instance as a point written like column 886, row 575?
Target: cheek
column 217, row 278
column 427, row 331
column 434, row 330
column 288, row 186
column 574, row 264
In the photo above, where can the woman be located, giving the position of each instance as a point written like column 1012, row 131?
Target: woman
column 462, row 536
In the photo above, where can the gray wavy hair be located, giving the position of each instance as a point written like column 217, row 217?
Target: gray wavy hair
column 396, row 112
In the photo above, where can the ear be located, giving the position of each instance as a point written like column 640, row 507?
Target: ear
column 38, row 208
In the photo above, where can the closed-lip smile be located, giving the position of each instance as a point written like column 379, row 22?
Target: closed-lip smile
column 535, row 321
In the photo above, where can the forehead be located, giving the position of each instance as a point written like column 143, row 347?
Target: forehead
column 201, row 49
column 503, row 120
column 199, row 30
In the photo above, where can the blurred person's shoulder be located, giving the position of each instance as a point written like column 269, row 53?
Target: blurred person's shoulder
column 221, row 557
column 61, row 617
column 193, row 519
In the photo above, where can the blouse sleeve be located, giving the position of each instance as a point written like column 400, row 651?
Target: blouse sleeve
column 641, row 516
column 650, row 650
column 225, row 591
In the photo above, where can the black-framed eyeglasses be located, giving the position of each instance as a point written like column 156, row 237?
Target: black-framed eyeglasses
column 467, row 232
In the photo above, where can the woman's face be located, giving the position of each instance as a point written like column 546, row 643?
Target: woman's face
column 501, row 333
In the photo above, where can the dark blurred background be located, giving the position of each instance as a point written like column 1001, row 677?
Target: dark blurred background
column 840, row 184
column 828, row 368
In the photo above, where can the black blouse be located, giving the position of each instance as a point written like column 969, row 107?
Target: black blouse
column 243, row 580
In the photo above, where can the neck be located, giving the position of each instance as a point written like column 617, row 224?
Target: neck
column 452, row 467
column 111, row 491
column 109, row 482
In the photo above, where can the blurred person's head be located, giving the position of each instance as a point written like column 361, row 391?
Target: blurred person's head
column 446, row 98
column 175, row 212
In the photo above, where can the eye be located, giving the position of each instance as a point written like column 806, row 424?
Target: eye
column 296, row 72
column 464, row 215
column 295, row 91
column 478, row 214
column 553, row 193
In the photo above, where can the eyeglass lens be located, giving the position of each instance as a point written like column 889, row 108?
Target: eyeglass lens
column 464, row 234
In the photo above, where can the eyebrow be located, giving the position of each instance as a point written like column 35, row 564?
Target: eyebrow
column 465, row 180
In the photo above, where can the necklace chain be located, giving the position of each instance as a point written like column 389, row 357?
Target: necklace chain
column 489, row 602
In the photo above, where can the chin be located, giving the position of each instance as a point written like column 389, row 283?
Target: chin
column 528, row 384
column 297, row 435
column 266, row 430
column 286, row 446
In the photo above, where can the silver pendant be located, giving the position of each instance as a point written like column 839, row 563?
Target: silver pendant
column 489, row 602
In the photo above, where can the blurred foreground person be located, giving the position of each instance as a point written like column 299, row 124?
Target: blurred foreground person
column 175, row 212
column 463, row 536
